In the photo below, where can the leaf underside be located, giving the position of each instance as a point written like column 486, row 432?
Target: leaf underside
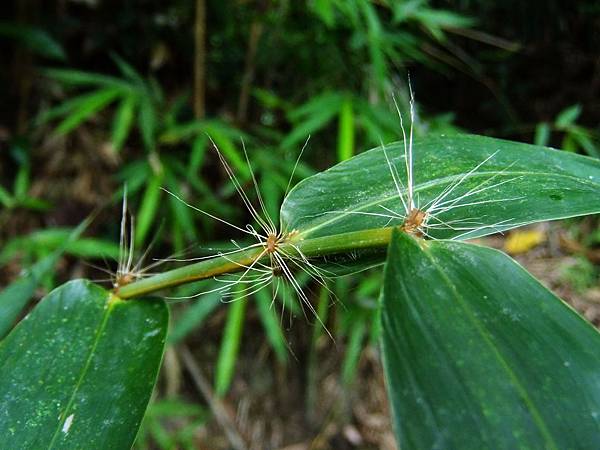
column 79, row 370
column 478, row 354
column 519, row 184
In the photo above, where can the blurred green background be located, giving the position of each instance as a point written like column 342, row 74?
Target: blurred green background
column 97, row 94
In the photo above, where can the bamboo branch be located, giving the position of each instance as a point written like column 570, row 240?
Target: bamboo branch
column 317, row 247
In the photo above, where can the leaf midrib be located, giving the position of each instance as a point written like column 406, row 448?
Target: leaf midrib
column 84, row 370
column 538, row 419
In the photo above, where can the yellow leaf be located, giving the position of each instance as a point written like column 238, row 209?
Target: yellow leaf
column 523, row 240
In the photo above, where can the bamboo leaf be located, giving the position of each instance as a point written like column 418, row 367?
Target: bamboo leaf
column 567, row 117
column 346, row 131
column 123, row 121
column 148, row 209
column 271, row 324
column 230, row 346
column 15, row 297
column 79, row 78
column 79, row 370
column 478, row 354
column 516, row 184
column 35, row 39
column 147, row 122
column 85, row 110
column 194, row 317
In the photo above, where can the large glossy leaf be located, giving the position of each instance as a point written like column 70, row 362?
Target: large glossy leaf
column 519, row 184
column 79, row 370
column 478, row 354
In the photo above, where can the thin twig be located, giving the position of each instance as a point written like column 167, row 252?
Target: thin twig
column 200, row 59
column 256, row 29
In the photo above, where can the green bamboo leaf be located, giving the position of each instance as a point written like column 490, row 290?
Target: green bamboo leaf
column 197, row 153
column 353, row 350
column 271, row 324
column 224, row 142
column 567, row 117
column 21, row 184
column 478, row 354
column 375, row 39
column 79, row 370
column 80, row 78
column 182, row 214
column 584, row 138
column 542, row 133
column 85, row 110
column 346, row 131
column 195, row 316
column 148, row 209
column 6, row 199
column 519, row 184
column 230, row 346
column 127, row 70
column 35, row 39
column 123, row 121
column 15, row 297
column 312, row 116
column 53, row 238
column 148, row 123
column 63, row 108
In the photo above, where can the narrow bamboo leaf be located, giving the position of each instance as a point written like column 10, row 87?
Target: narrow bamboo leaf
column 53, row 238
column 6, row 199
column 518, row 184
column 568, row 116
column 226, row 146
column 478, row 354
column 147, row 123
column 79, row 370
column 194, row 316
column 310, row 125
column 64, row 108
column 148, row 209
column 271, row 324
column 21, row 184
column 15, row 297
column 542, row 134
column 375, row 39
column 123, row 121
column 127, row 69
column 353, row 350
column 91, row 106
column 35, row 39
column 197, row 154
column 312, row 116
column 182, row 214
column 230, row 346
column 346, row 131
column 80, row 78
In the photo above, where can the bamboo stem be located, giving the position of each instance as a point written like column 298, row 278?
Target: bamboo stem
column 316, row 247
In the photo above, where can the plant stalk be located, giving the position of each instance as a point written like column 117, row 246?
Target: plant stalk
column 235, row 262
